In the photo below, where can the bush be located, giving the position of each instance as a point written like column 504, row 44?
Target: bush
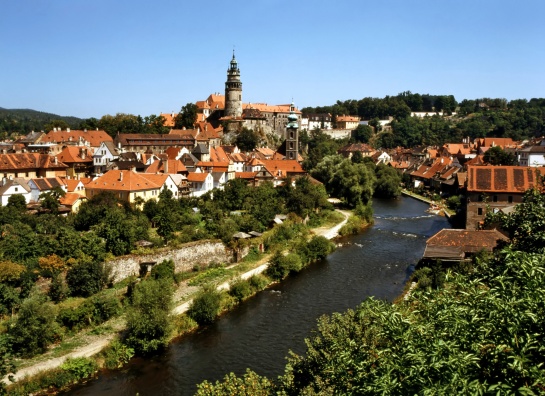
column 92, row 311
column 280, row 266
column 149, row 321
column 163, row 270
column 259, row 282
column 85, row 278
column 319, row 247
column 58, row 290
column 117, row 354
column 206, row 306
column 241, row 290
column 80, row 367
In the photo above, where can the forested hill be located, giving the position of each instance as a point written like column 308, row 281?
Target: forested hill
column 23, row 121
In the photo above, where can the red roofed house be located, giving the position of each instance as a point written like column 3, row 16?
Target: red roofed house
column 30, row 165
column 91, row 138
column 278, row 171
column 347, row 122
column 44, row 185
column 497, row 187
column 200, row 183
column 79, row 160
column 128, row 185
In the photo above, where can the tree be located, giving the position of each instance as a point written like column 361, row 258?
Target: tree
column 206, row 307
column 35, row 328
column 149, row 321
column 50, row 199
column 251, row 384
column 17, row 202
column 388, row 183
column 497, row 156
column 363, row 133
column 186, row 117
column 247, row 139
column 353, row 183
column 86, row 277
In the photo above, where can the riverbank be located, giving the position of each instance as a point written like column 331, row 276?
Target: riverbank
column 435, row 207
column 183, row 297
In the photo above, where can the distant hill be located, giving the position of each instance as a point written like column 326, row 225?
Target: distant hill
column 23, row 121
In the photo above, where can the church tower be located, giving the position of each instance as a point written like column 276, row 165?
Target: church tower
column 233, row 91
column 292, row 135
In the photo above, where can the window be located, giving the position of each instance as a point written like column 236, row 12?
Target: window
column 480, row 211
column 495, row 198
column 510, row 199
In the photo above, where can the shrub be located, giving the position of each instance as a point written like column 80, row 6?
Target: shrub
column 117, row 354
column 206, row 306
column 259, row 282
column 94, row 310
column 149, row 321
column 319, row 247
column 85, row 278
column 163, row 270
column 241, row 290
column 80, row 367
column 58, row 290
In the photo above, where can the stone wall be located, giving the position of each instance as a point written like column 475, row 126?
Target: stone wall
column 200, row 253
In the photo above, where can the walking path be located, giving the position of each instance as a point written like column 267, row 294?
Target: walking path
column 99, row 344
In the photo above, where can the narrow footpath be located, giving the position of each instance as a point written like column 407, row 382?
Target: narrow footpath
column 100, row 342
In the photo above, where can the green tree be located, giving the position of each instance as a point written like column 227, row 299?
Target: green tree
column 149, row 321
column 17, row 202
column 353, row 183
column 498, row 156
column 206, row 306
column 388, row 182
column 50, row 199
column 35, row 327
column 247, row 140
column 250, row 384
column 186, row 117
column 86, row 277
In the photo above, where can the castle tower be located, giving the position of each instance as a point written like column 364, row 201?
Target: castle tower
column 292, row 135
column 233, row 91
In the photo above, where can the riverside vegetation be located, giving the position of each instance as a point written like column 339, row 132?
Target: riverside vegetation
column 55, row 283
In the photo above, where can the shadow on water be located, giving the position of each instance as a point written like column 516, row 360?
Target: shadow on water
column 260, row 333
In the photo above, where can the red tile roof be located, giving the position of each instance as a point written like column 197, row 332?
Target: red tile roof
column 76, row 154
column 93, row 137
column 197, row 176
column 29, row 161
column 126, row 180
column 508, row 179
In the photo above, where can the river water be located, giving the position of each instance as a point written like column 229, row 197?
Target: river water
column 260, row 332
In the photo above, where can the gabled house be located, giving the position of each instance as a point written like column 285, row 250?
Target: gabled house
column 424, row 174
column 31, row 165
column 128, row 185
column 103, row 156
column 200, row 183
column 72, row 201
column 17, row 186
column 78, row 159
column 168, row 166
column 497, row 187
column 532, row 155
column 44, row 185
column 349, row 150
column 89, row 138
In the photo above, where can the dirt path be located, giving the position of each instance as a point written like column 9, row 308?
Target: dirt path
column 96, row 343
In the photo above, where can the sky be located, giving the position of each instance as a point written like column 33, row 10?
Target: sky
column 89, row 58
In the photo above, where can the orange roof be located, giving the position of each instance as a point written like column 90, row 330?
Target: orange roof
column 70, row 198
column 75, row 154
column 265, row 108
column 281, row 168
column 217, row 154
column 429, row 170
column 71, row 184
column 238, row 157
column 21, row 161
column 48, row 183
column 493, row 141
column 93, row 137
column 245, row 175
column 169, row 119
column 458, row 148
column 508, row 179
column 345, row 118
column 126, row 180
column 173, row 166
column 197, row 176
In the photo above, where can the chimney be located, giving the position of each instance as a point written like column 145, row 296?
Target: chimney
column 85, row 130
column 67, row 129
column 120, row 176
column 83, row 154
column 4, row 181
column 165, row 167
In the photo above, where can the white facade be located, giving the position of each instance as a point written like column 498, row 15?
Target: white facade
column 13, row 187
column 105, row 154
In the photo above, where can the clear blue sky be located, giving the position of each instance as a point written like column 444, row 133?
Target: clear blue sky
column 87, row 58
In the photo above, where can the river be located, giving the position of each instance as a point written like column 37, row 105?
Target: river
column 260, row 332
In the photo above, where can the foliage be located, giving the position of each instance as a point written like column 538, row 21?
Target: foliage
column 388, row 182
column 525, row 226
column 35, row 328
column 251, row 384
column 163, row 270
column 10, row 271
column 211, row 274
column 241, row 290
column 9, row 299
column 86, row 277
column 498, row 156
column 206, row 306
column 51, row 264
column 247, row 140
column 319, row 247
column 80, row 367
column 362, row 134
column 58, row 290
column 7, row 364
column 454, row 202
column 149, row 321
column 117, row 354
column 281, row 265
column 186, row 117
column 92, row 311
column 17, row 202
